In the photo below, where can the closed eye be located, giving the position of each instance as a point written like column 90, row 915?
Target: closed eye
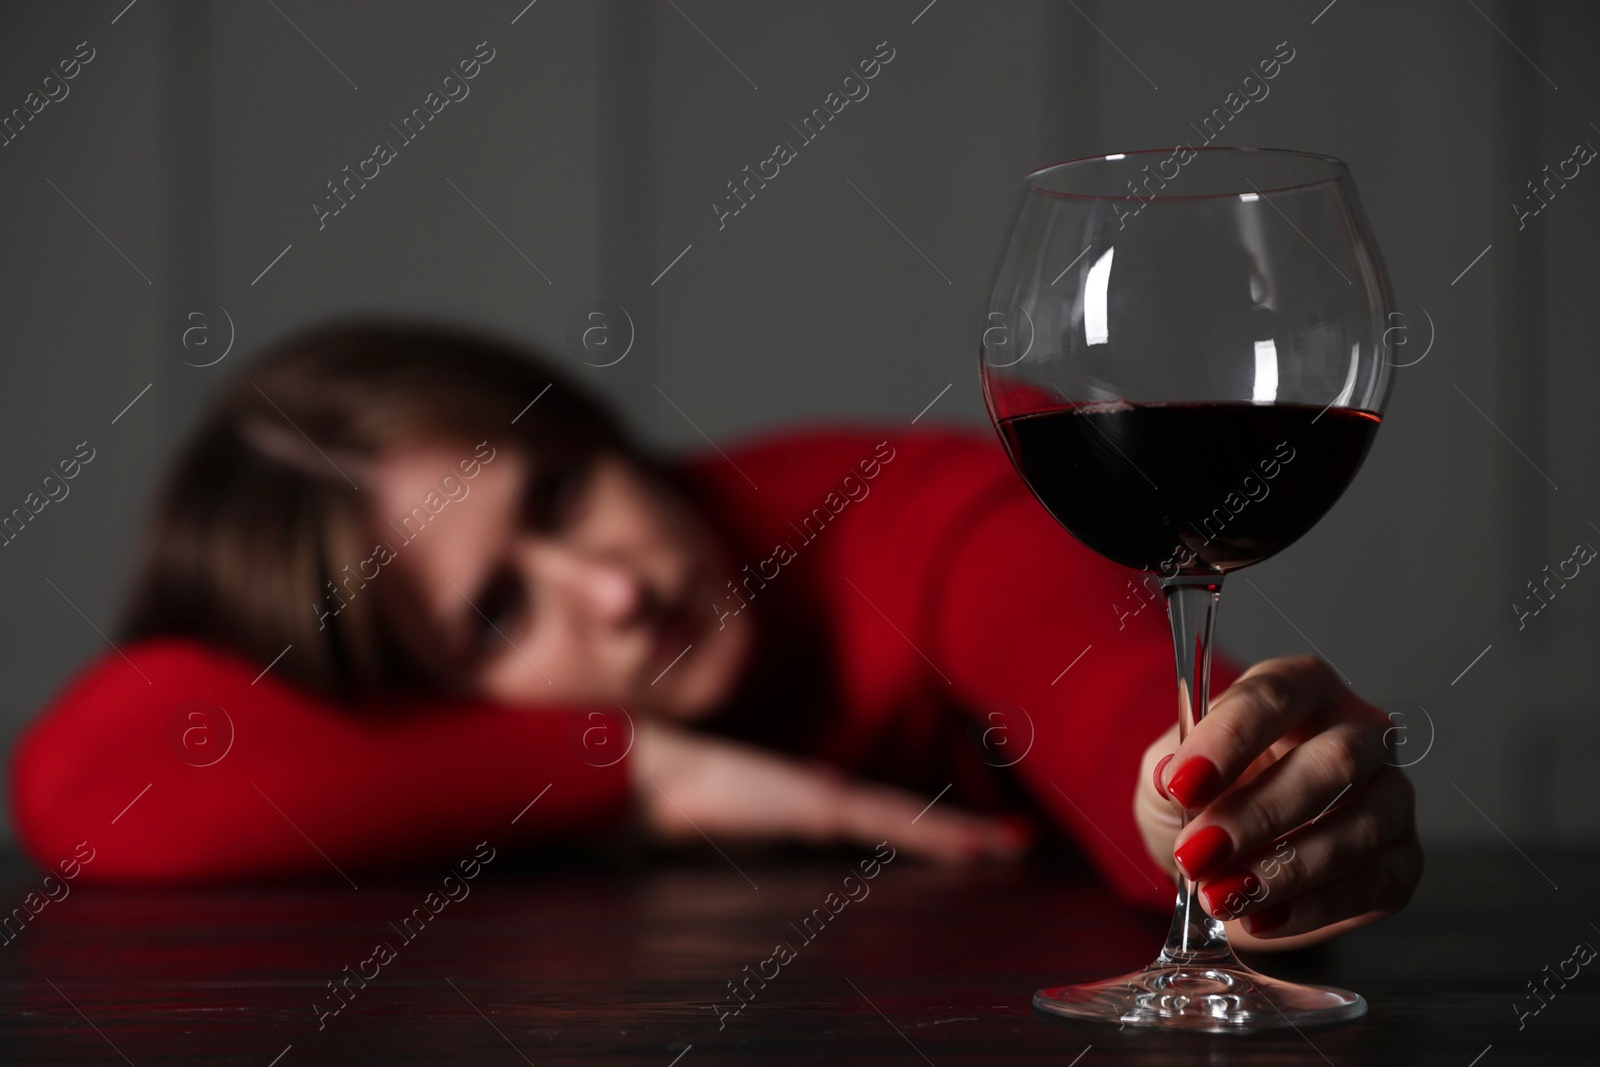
column 554, row 493
column 500, row 606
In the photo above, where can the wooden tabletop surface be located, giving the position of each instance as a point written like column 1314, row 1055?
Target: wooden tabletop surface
column 591, row 960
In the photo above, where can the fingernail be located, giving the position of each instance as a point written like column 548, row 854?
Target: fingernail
column 1268, row 918
column 1217, row 891
column 1193, row 783
column 1203, row 850
column 1160, row 790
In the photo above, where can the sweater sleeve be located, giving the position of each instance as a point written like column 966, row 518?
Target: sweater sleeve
column 176, row 763
column 1025, row 617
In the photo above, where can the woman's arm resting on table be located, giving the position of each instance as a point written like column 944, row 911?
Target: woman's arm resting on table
column 1301, row 826
column 183, row 764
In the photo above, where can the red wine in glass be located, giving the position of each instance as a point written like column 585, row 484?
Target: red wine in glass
column 1267, row 474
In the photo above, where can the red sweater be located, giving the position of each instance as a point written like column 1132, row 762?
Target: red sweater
column 920, row 620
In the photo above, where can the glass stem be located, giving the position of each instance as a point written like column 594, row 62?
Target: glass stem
column 1194, row 937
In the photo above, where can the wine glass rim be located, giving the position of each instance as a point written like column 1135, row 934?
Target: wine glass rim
column 1341, row 170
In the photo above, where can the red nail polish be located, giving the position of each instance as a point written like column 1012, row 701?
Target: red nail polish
column 1218, row 890
column 1193, row 783
column 1159, row 767
column 1268, row 918
column 1203, row 850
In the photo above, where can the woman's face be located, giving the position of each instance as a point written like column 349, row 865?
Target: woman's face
column 547, row 585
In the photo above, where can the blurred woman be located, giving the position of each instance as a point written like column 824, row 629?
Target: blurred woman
column 408, row 588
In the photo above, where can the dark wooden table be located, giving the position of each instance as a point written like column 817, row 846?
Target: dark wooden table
column 593, row 961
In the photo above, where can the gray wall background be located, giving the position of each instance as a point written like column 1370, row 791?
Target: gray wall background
column 185, row 157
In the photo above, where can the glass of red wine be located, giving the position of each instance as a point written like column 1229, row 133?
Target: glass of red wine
column 1183, row 355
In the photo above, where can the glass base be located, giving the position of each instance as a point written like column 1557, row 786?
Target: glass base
column 1229, row 998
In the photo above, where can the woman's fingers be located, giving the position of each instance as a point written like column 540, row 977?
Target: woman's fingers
column 1350, row 841
column 1300, row 822
column 1381, row 888
column 691, row 786
column 1271, row 699
column 870, row 814
column 1302, row 785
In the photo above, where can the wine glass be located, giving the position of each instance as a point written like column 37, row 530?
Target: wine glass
column 1183, row 356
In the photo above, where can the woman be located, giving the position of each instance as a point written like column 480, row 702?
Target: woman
column 408, row 589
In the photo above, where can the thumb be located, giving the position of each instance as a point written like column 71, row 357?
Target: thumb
column 1159, row 819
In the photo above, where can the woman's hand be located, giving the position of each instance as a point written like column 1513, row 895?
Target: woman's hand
column 1300, row 824
column 689, row 784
